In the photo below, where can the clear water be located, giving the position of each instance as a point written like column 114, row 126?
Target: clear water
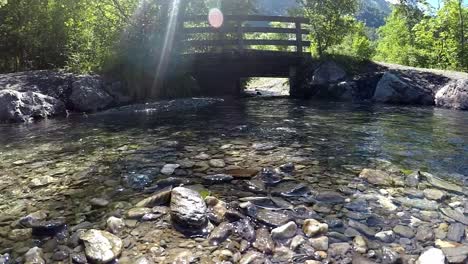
column 89, row 156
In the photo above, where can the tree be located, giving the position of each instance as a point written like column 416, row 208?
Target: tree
column 330, row 21
column 356, row 43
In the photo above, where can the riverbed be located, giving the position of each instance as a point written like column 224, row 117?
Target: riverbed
column 86, row 168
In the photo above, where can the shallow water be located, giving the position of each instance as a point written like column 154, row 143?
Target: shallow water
column 59, row 165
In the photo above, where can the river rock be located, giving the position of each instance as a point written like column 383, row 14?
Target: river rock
column 217, row 163
column 48, row 228
column 319, row 243
column 34, row 256
column 218, row 178
column 362, row 228
column 419, row 203
column 101, row 246
column 220, row 233
column 137, row 213
column 271, row 218
column 376, row 177
column 404, row 231
column 312, row 227
column 88, row 94
column 115, row 225
column 454, row 95
column 441, row 184
column 360, row 245
column 28, row 106
column 455, row 215
column 456, row 254
column 432, row 256
column 456, row 232
column 188, row 210
column 169, row 169
column 161, row 197
column 99, row 202
column 285, row 231
column 390, row 256
column 398, row 89
column 434, row 194
column 28, row 220
column 339, row 249
column 386, row 236
column 245, row 230
column 424, row 234
column 252, row 257
column 328, row 73
column 263, row 242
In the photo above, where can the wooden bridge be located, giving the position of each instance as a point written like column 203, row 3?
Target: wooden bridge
column 220, row 57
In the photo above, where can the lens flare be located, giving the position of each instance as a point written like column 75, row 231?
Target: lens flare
column 215, row 18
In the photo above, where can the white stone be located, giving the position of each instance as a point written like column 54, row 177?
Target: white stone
column 169, row 169
column 432, row 256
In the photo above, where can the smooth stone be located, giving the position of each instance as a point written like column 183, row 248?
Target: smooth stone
column 320, row 243
column 28, row 220
column 360, row 245
column 376, row 177
column 263, row 146
column 217, row 163
column 425, row 234
column 441, row 184
column 296, row 242
column 419, row 203
column 245, row 229
column 252, row 257
column 432, row 256
column 457, row 254
column 263, row 242
column 357, row 259
column 329, row 197
column 386, row 236
column 285, row 231
column 188, row 210
column 216, row 208
column 287, row 168
column 390, row 256
column 404, row 231
column 291, row 189
column 339, row 249
column 369, row 232
column 138, row 213
column 387, row 204
column 34, row 256
column 161, row 197
column 101, row 246
column 455, row 215
column 115, row 225
column 456, row 232
column 220, row 233
column 434, row 194
column 312, row 227
column 99, row 202
column 412, row 180
column 169, row 169
column 20, row 234
column 272, row 218
column 359, row 205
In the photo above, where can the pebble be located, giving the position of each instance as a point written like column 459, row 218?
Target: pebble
column 285, row 231
column 386, row 236
column 101, row 246
column 404, row 231
column 217, row 163
column 169, row 169
column 99, row 202
column 424, row 234
column 320, row 243
column 34, row 256
column 456, row 232
column 263, row 242
column 339, row 249
column 432, row 256
column 360, row 245
column 434, row 194
column 138, row 213
column 312, row 227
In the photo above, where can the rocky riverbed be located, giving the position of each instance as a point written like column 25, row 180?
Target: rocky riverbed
column 209, row 207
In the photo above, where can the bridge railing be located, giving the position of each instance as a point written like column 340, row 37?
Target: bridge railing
column 233, row 33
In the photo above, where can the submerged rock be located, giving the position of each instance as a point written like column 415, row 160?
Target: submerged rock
column 285, row 231
column 34, row 256
column 188, row 211
column 432, row 256
column 48, row 228
column 376, row 177
column 263, row 242
column 220, row 233
column 312, row 227
column 161, row 197
column 455, row 215
column 101, row 246
column 441, row 184
column 272, row 218
column 169, row 169
column 456, row 254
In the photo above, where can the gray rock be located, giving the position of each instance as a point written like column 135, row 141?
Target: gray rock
column 312, row 227
column 329, row 72
column 272, row 218
column 441, row 184
column 455, row 215
column 252, row 257
column 48, row 228
column 339, row 249
column 115, row 225
column 101, row 246
column 360, row 245
column 169, row 169
column 454, row 95
column 386, row 236
column 217, row 163
column 34, row 256
column 419, row 203
column 377, row 177
column 263, row 242
column 245, row 230
column 88, row 94
column 456, row 232
column 404, row 231
column 285, row 231
column 161, row 197
column 138, row 213
column 188, row 210
column 320, row 243
column 28, row 106
column 412, row 180
column 425, row 234
column 434, row 194
column 456, row 254
column 218, row 178
column 220, row 233
column 99, row 202
column 396, row 89
column 329, row 197
column 389, row 256
column 362, row 228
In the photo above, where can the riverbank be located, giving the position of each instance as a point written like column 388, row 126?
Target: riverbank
column 28, row 96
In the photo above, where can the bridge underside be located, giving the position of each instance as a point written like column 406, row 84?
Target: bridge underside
column 219, row 74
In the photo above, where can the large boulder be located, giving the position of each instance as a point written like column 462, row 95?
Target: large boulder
column 454, row 95
column 398, row 89
column 188, row 211
column 88, row 94
column 27, row 106
column 328, row 73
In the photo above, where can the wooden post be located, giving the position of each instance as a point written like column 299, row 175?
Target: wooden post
column 240, row 36
column 298, row 37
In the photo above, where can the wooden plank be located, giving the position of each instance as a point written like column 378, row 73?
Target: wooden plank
column 298, row 37
column 230, row 29
column 253, row 18
column 246, row 42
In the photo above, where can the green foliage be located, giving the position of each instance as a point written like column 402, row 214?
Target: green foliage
column 356, row 43
column 330, row 21
column 431, row 41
